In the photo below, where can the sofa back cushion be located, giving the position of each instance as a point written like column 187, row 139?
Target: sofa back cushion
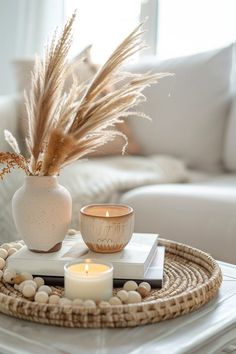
column 188, row 110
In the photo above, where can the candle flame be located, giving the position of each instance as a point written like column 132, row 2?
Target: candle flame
column 107, row 213
column 86, row 268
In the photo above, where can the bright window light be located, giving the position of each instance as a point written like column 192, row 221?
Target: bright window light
column 102, row 23
column 190, row 26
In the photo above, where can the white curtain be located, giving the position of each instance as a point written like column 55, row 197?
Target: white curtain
column 25, row 25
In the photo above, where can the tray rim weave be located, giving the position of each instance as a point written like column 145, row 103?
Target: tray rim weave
column 126, row 315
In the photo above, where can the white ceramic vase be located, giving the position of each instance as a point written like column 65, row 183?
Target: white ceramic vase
column 42, row 213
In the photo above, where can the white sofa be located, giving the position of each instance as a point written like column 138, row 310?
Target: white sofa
column 194, row 119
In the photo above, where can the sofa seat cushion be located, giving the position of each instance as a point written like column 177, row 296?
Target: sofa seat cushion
column 102, row 180
column 227, row 180
column 188, row 110
column 199, row 215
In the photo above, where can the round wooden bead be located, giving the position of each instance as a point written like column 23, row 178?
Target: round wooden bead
column 123, row 295
column 89, row 303
column 6, row 246
column 146, row 285
column 46, row 289
column 134, row 297
column 130, row 285
column 11, row 251
column 77, row 302
column 21, row 285
column 115, row 300
column 2, row 263
column 41, row 297
column 142, row 290
column 3, row 253
column 39, row 281
column 18, row 279
column 54, row 299
column 9, row 275
column 30, row 282
column 26, row 276
column 64, row 302
column 28, row 290
column 1, row 274
column 27, row 282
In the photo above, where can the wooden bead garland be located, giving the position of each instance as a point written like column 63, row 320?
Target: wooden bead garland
column 35, row 289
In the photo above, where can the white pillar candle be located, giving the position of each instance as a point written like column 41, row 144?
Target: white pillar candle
column 88, row 279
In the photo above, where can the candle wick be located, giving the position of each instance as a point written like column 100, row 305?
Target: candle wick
column 86, row 268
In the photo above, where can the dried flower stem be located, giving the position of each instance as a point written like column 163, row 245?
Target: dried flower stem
column 12, row 160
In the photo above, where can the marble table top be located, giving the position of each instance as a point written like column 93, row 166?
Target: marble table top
column 204, row 331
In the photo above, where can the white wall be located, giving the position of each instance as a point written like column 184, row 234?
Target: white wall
column 8, row 20
column 25, row 25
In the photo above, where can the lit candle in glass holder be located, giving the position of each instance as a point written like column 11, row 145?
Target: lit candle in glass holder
column 88, row 279
column 106, row 228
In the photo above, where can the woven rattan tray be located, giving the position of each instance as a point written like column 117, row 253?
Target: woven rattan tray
column 191, row 279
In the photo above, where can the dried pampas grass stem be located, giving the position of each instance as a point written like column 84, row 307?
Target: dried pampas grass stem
column 64, row 127
column 43, row 101
column 11, row 141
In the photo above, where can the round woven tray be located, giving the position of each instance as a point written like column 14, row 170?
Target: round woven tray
column 191, row 279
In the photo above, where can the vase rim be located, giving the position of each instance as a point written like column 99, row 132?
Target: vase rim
column 43, row 181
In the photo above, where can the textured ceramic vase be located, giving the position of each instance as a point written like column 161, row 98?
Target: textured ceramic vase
column 42, row 213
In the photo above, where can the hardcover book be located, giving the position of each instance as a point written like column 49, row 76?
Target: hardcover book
column 153, row 275
column 131, row 263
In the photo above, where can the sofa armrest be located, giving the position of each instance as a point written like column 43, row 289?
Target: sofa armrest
column 201, row 216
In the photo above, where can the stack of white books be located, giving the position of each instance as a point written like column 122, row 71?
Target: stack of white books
column 142, row 259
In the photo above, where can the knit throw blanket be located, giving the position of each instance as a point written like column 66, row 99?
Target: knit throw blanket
column 99, row 180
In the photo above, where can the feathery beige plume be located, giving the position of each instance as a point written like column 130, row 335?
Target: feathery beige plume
column 98, row 112
column 59, row 147
column 47, row 83
column 63, row 127
column 66, row 127
column 11, row 141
